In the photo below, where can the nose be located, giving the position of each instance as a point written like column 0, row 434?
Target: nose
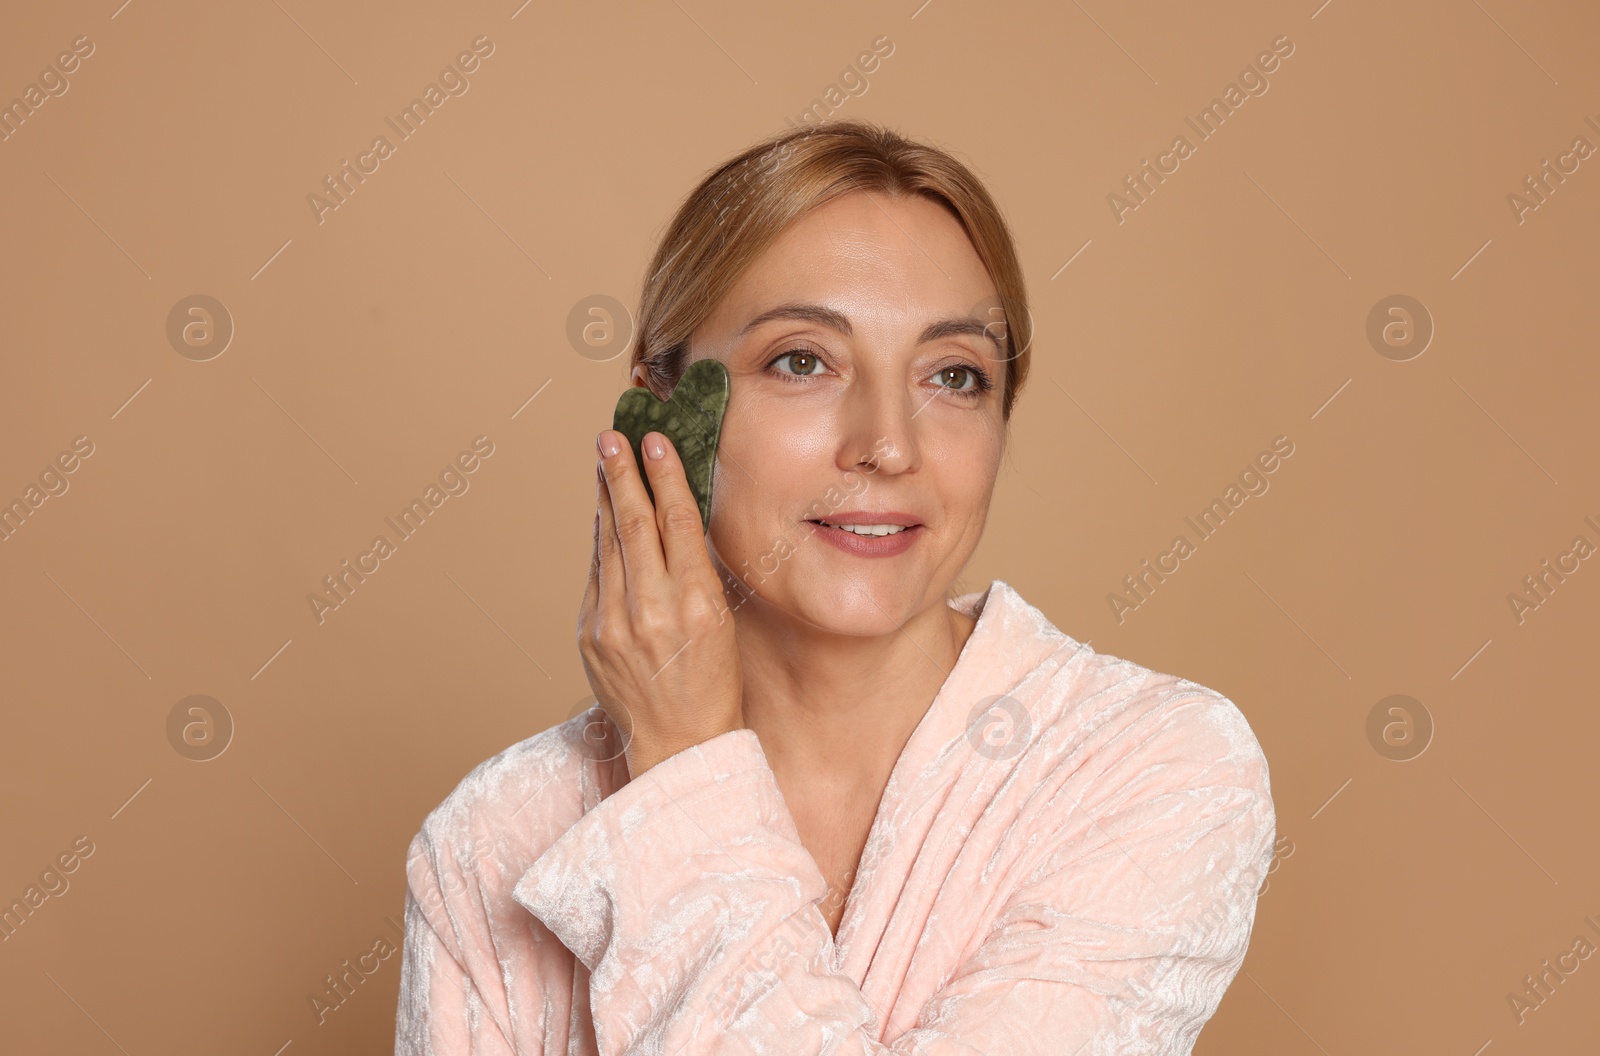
column 878, row 432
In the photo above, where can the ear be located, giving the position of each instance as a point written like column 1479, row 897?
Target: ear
column 639, row 376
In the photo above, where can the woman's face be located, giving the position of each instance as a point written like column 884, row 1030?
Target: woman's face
column 857, row 371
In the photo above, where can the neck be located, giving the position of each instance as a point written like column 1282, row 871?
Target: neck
column 838, row 708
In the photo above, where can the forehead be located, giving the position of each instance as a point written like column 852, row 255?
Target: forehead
column 885, row 263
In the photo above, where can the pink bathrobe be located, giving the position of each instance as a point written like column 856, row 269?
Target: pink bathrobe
column 1065, row 861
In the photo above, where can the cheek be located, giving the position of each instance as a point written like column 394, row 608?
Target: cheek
column 737, row 493
column 746, row 543
column 782, row 430
column 766, row 449
column 764, row 459
column 967, row 464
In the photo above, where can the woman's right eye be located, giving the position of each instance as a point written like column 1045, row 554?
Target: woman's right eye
column 806, row 364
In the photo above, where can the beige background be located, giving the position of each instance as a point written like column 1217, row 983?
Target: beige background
column 430, row 308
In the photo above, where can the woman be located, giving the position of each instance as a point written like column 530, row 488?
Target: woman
column 833, row 808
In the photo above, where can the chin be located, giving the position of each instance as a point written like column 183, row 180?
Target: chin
column 841, row 600
column 811, row 581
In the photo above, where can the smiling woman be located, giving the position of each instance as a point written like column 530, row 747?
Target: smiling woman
column 841, row 808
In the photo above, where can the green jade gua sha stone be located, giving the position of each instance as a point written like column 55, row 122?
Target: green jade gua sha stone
column 692, row 419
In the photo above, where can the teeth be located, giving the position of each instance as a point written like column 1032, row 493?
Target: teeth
column 870, row 529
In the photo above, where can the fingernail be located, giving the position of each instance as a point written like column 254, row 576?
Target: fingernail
column 608, row 443
column 653, row 447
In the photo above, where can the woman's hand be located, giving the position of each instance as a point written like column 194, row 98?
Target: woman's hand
column 655, row 632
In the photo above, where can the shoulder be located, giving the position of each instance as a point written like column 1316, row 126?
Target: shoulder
column 1138, row 813
column 1076, row 708
column 500, row 817
column 1120, row 717
column 1147, row 830
column 1142, row 711
column 1119, row 747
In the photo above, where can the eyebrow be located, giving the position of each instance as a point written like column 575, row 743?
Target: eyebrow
column 834, row 320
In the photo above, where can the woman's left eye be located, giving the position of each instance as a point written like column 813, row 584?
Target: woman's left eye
column 799, row 354
column 979, row 379
column 969, row 381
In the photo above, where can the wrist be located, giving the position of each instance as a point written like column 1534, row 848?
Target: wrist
column 642, row 754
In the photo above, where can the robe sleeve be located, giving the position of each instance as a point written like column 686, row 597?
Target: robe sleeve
column 690, row 898
column 442, row 1011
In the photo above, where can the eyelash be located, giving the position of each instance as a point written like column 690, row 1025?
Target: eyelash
column 982, row 382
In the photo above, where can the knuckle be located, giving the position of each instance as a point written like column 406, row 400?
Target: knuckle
column 601, row 634
column 681, row 517
column 702, row 607
column 616, row 470
column 634, row 526
column 649, row 616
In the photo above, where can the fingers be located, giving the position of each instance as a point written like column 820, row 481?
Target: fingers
column 591, row 593
column 677, row 513
column 628, row 525
column 611, row 588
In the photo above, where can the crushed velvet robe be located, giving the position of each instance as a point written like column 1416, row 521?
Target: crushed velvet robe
column 1065, row 861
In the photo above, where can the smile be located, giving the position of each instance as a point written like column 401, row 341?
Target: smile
column 869, row 540
column 865, row 529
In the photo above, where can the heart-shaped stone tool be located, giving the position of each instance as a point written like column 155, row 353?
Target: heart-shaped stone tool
column 692, row 419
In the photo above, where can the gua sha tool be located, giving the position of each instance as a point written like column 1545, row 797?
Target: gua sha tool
column 692, row 419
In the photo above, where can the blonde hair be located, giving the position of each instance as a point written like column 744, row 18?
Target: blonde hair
column 738, row 210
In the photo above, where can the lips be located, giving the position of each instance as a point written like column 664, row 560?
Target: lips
column 905, row 520
column 869, row 545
